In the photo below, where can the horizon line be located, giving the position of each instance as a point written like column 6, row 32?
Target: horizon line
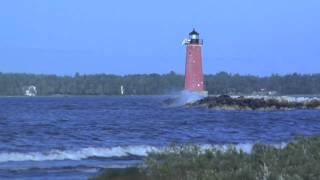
column 170, row 72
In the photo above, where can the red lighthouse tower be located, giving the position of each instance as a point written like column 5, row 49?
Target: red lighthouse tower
column 194, row 81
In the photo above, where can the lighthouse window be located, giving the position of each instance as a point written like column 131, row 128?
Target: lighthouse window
column 194, row 36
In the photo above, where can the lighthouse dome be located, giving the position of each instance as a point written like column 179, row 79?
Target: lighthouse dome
column 193, row 32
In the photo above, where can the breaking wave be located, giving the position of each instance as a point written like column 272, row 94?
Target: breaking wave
column 186, row 97
column 114, row 152
column 80, row 154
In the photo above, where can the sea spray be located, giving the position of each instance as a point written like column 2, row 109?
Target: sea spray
column 185, row 97
column 84, row 153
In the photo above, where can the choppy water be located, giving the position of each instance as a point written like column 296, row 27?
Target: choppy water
column 75, row 137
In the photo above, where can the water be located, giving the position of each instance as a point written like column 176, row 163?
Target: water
column 75, row 137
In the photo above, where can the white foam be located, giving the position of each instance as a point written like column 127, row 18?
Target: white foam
column 77, row 154
column 187, row 97
column 108, row 152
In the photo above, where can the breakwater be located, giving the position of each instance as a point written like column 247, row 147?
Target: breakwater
column 255, row 103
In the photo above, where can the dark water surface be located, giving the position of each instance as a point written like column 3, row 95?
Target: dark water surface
column 75, row 137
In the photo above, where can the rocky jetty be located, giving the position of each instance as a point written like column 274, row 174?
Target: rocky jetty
column 245, row 103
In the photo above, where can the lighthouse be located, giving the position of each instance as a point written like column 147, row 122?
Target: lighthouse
column 194, row 81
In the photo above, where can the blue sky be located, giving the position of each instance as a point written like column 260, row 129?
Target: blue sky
column 144, row 36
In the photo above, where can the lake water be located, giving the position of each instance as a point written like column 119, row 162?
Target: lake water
column 76, row 137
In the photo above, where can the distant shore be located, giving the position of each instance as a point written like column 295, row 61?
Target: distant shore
column 153, row 84
column 39, row 96
column 172, row 94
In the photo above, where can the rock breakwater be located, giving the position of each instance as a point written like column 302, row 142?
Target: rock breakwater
column 244, row 103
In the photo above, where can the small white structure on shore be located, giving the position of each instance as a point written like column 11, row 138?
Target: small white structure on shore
column 30, row 90
column 122, row 90
column 265, row 92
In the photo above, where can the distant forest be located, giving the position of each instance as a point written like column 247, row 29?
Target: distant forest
column 12, row 84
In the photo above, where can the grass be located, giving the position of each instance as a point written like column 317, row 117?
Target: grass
column 299, row 160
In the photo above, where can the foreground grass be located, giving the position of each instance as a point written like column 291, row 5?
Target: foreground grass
column 299, row 160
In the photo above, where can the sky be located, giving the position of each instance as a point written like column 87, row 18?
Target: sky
column 144, row 36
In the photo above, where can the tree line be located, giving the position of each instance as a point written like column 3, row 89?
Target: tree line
column 13, row 84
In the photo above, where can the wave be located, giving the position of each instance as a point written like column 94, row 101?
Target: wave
column 80, row 154
column 113, row 152
column 183, row 98
column 62, row 169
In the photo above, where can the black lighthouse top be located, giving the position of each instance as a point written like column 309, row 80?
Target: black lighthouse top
column 193, row 32
column 194, row 37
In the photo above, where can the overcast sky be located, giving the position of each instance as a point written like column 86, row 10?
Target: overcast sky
column 62, row 37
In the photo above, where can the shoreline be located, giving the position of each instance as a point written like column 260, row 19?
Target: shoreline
column 299, row 159
column 176, row 95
